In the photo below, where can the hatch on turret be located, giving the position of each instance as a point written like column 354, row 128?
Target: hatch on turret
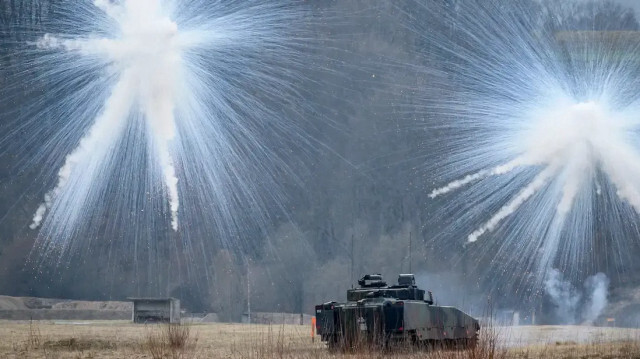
column 407, row 280
column 372, row 281
column 372, row 286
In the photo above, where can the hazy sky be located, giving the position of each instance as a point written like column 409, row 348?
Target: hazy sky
column 632, row 3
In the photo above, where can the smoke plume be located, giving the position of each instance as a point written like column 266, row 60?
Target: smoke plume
column 573, row 305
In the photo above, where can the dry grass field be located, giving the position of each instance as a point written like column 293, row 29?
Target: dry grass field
column 113, row 339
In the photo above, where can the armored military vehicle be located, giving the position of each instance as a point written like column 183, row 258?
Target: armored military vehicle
column 376, row 313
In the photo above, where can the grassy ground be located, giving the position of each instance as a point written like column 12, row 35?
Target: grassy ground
column 112, row 339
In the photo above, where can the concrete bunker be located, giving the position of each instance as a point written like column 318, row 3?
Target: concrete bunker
column 155, row 310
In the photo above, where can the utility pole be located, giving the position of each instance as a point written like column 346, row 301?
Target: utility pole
column 248, row 293
column 352, row 255
column 410, row 252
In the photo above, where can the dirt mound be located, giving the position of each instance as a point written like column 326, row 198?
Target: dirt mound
column 24, row 308
column 20, row 303
column 11, row 303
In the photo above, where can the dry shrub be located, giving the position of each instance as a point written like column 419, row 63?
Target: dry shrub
column 172, row 341
column 34, row 338
column 177, row 336
column 34, row 343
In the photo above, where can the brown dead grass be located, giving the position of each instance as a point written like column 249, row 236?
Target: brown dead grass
column 113, row 339
column 619, row 349
column 172, row 341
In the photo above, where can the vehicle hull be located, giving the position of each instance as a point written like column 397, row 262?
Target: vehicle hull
column 391, row 320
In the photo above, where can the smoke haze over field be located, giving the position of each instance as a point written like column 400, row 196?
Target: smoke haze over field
column 348, row 192
column 573, row 305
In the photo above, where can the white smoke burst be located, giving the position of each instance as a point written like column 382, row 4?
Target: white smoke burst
column 181, row 93
column 572, row 140
column 538, row 126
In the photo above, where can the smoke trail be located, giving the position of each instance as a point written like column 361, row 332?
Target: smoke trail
column 496, row 171
column 516, row 202
column 100, row 139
